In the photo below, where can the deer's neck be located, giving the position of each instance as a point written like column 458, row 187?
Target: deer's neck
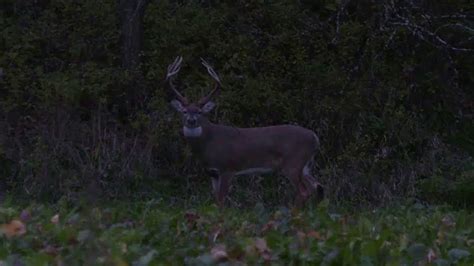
column 199, row 137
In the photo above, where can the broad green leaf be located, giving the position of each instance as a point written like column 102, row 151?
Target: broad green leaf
column 146, row 259
column 457, row 254
column 417, row 251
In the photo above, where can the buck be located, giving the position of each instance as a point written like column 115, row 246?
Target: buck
column 228, row 151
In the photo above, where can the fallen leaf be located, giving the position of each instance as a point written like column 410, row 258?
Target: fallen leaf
column 14, row 228
column 120, row 262
column 448, row 221
column 219, row 254
column 431, row 256
column 146, row 259
column 270, row 225
column 124, row 248
column 470, row 242
column 261, row 245
column 25, row 216
column 262, row 248
column 72, row 240
column 441, row 236
column 191, row 218
column 301, row 236
column 55, row 219
column 50, row 250
column 251, row 251
column 83, row 235
column 39, row 228
column 315, row 235
column 59, row 261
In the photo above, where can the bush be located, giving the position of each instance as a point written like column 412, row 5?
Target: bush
column 378, row 93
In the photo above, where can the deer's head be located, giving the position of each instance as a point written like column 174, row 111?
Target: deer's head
column 193, row 113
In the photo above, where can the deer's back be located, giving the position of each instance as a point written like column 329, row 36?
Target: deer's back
column 262, row 146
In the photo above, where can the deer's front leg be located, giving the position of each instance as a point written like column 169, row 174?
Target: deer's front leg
column 214, row 173
column 220, row 186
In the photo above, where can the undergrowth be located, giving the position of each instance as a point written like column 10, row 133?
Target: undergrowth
column 155, row 233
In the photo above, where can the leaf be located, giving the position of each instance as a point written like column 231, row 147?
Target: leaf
column 270, row 225
column 7, row 211
column 262, row 248
column 441, row 262
column 25, row 216
column 73, row 219
column 315, row 235
column 14, row 228
column 431, row 256
column 457, row 254
column 261, row 245
column 83, row 235
column 330, row 257
column 124, row 248
column 301, row 236
column 417, row 251
column 448, row 221
column 55, row 219
column 146, row 259
column 120, row 262
column 191, row 218
column 50, row 250
column 366, row 261
column 219, row 253
column 205, row 259
column 470, row 242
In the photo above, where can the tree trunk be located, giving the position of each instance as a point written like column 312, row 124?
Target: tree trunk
column 131, row 14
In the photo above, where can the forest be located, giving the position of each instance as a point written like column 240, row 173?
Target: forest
column 94, row 168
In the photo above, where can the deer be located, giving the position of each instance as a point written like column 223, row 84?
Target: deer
column 228, row 151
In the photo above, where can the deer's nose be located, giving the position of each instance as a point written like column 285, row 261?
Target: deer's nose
column 192, row 121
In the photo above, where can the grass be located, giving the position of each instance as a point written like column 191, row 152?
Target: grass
column 153, row 233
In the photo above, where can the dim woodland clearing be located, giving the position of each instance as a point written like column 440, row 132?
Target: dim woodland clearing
column 85, row 116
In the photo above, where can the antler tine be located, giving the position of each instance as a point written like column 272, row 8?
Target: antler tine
column 210, row 70
column 173, row 70
column 217, row 86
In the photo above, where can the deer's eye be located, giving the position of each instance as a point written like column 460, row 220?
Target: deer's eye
column 185, row 112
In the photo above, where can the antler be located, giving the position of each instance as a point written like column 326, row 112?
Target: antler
column 217, row 86
column 173, row 70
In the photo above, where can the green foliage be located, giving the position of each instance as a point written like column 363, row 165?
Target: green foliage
column 151, row 233
column 459, row 191
column 384, row 102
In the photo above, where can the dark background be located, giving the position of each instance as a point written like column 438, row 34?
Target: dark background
column 387, row 85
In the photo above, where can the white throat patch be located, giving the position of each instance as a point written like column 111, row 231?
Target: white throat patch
column 192, row 132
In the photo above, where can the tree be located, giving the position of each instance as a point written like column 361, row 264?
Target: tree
column 131, row 14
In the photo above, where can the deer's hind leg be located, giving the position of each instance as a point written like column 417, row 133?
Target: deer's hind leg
column 293, row 172
column 301, row 177
column 311, row 182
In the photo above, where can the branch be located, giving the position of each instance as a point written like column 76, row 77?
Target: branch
column 455, row 25
column 417, row 30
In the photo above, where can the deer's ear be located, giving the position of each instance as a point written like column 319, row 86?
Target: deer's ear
column 208, row 107
column 177, row 105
